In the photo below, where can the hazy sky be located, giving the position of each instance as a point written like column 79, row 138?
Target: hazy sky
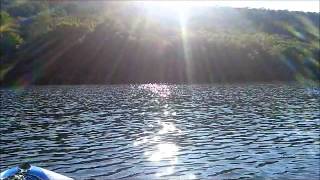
column 292, row 5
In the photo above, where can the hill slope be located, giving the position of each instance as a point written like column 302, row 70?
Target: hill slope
column 123, row 44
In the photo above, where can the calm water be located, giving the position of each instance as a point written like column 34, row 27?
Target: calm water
column 265, row 131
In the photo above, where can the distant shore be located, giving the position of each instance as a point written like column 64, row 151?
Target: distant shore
column 127, row 45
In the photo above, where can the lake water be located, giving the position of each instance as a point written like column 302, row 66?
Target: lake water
column 153, row 131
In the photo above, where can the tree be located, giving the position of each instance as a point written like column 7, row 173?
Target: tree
column 9, row 36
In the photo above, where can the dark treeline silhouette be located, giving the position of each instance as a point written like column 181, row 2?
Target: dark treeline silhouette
column 106, row 42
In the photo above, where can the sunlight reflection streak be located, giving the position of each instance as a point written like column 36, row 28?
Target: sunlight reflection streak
column 157, row 149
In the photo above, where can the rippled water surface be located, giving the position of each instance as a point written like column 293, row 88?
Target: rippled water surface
column 264, row 131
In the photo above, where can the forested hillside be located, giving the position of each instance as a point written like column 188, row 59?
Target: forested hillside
column 72, row 42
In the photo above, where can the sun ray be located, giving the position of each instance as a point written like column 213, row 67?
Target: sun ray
column 185, row 44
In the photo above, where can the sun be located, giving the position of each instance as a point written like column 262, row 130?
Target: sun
column 167, row 7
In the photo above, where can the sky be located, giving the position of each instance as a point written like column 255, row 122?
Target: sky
column 292, row 5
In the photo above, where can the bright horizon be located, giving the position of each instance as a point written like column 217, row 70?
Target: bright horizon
column 305, row 6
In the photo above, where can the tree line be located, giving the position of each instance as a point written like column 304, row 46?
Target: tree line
column 72, row 42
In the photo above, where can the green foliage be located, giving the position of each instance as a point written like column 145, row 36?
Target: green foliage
column 7, row 23
column 9, row 37
column 24, row 8
column 232, row 35
column 40, row 25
